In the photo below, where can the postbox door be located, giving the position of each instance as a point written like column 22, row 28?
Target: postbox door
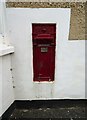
column 44, row 63
column 44, row 42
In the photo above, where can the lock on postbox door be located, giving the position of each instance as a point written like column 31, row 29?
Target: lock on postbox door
column 44, row 42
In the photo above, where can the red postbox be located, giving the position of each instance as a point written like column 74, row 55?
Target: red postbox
column 44, row 42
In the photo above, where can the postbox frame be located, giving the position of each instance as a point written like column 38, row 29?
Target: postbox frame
column 44, row 32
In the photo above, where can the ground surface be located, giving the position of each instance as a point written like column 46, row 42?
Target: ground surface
column 70, row 113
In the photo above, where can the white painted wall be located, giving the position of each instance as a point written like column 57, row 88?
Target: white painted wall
column 0, row 86
column 6, row 87
column 3, row 24
column 70, row 56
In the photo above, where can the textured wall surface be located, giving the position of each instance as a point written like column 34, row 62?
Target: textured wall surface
column 77, row 24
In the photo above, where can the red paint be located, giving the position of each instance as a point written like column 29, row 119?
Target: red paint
column 44, row 42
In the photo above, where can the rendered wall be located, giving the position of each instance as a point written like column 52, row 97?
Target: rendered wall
column 6, row 87
column 70, row 55
column 78, row 13
column 0, row 86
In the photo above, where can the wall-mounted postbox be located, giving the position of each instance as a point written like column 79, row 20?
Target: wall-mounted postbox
column 44, row 42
